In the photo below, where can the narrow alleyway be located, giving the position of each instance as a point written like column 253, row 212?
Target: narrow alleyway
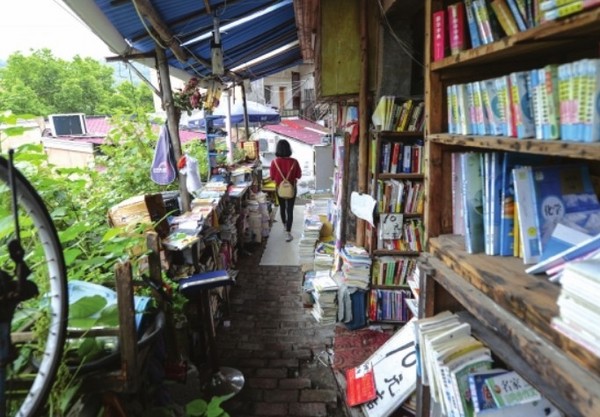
column 277, row 344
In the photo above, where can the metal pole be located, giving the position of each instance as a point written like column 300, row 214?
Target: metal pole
column 172, row 120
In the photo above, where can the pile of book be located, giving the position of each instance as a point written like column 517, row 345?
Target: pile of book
column 324, row 256
column 307, row 242
column 528, row 103
column 579, row 313
column 356, row 266
column 325, row 290
column 462, row 377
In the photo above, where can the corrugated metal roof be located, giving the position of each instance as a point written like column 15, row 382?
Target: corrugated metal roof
column 249, row 30
column 302, row 130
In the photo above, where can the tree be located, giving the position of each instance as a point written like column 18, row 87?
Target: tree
column 43, row 84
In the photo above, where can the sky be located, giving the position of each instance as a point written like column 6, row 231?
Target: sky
column 37, row 24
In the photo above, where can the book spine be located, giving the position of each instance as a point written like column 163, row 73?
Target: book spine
column 565, row 97
column 536, row 101
column 472, row 205
column 504, row 16
column 472, row 24
column 519, row 18
column 503, row 95
column 406, row 160
column 456, row 27
column 552, row 4
column 526, row 205
column 569, row 9
column 551, row 128
column 592, row 122
column 439, row 35
column 522, row 105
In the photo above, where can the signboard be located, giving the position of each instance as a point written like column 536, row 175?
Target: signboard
column 395, row 368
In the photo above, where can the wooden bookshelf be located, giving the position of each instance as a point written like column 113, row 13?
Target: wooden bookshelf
column 509, row 310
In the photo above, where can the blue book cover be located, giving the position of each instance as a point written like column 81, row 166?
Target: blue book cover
column 480, row 394
column 472, row 187
column 495, row 200
column 519, row 18
column 564, row 193
column 472, row 24
column 511, row 160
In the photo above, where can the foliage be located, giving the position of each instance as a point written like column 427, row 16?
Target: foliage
column 189, row 97
column 43, row 84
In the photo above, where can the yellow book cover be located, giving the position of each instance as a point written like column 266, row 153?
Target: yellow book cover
column 504, row 16
column 516, row 235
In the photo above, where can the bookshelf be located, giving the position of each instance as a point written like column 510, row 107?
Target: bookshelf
column 396, row 183
column 509, row 310
column 217, row 152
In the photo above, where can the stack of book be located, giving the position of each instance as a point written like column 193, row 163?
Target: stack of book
column 324, row 256
column 310, row 235
column 579, row 314
column 356, row 266
column 325, row 290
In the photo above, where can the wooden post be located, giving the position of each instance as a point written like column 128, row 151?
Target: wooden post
column 363, row 120
column 127, row 330
column 172, row 120
column 246, row 121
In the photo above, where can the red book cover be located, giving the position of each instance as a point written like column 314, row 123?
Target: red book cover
column 456, row 28
column 439, row 35
column 395, row 158
column 360, row 385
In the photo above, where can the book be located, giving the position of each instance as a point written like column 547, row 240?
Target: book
column 564, row 193
column 562, row 238
column 550, row 117
column 504, row 104
column 480, row 394
column 490, row 101
column 472, row 24
column 519, row 17
column 360, row 385
column 541, row 408
column 439, row 35
column 568, row 9
column 504, row 16
column 562, row 258
column 553, row 4
column 521, row 104
column 510, row 388
column 524, row 197
column 591, row 109
column 482, row 17
column 472, row 201
column 458, row 225
column 456, row 27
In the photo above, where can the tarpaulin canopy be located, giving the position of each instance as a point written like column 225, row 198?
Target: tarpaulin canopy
column 258, row 37
column 257, row 114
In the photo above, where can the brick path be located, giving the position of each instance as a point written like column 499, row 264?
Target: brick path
column 278, row 346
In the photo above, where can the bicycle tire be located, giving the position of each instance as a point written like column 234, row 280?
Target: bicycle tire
column 53, row 294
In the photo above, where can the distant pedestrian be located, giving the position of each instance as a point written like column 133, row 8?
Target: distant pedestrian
column 285, row 167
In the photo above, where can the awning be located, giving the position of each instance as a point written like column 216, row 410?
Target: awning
column 258, row 37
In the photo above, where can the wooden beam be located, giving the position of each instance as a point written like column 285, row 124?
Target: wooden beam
column 172, row 121
column 162, row 29
column 363, row 119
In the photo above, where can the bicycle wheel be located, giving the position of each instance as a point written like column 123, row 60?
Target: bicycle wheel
column 38, row 326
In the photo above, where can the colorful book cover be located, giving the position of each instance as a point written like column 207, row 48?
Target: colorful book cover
column 569, row 9
column 519, row 17
column 483, row 21
column 456, row 27
column 360, row 385
column 562, row 238
column 480, row 393
column 591, row 119
column 482, row 125
column 458, row 224
column 503, row 96
column 551, row 123
column 524, row 197
column 521, row 105
column 564, row 193
column 472, row 24
column 472, row 190
column 511, row 389
column 439, row 35
column 495, row 201
column 504, row 16
column 536, row 101
column 566, row 97
column 492, row 107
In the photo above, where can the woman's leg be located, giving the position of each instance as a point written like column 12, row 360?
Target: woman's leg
column 289, row 213
column 282, row 210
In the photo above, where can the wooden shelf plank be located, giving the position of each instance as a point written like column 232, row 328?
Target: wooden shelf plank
column 558, row 148
column 400, row 176
column 568, row 384
column 385, row 252
column 531, row 298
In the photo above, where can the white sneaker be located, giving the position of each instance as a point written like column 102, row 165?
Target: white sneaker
column 289, row 237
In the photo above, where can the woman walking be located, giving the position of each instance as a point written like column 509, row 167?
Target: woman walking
column 285, row 167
